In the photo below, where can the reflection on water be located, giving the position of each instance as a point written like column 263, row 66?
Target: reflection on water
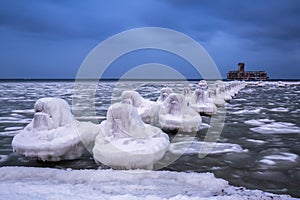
column 259, row 146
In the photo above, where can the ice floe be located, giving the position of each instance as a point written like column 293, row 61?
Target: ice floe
column 248, row 111
column 9, row 133
column 283, row 156
column 279, row 109
column 258, row 122
column 276, row 128
column 256, row 141
column 195, row 147
column 13, row 128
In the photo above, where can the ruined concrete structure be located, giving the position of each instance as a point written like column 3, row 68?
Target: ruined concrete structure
column 241, row 74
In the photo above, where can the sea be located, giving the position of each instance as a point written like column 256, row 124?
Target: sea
column 258, row 146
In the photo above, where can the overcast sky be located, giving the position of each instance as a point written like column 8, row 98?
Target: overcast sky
column 51, row 38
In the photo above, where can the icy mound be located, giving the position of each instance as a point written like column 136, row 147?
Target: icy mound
column 201, row 103
column 203, row 85
column 187, row 94
column 147, row 109
column 125, row 142
column 175, row 114
column 43, row 183
column 52, row 135
column 56, row 109
column 215, row 97
column 164, row 93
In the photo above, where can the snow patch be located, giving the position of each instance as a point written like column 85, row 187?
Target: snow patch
column 42, row 183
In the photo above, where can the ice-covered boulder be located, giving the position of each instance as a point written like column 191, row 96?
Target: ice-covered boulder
column 201, row 103
column 175, row 114
column 187, row 93
column 58, row 111
column 218, row 96
column 53, row 134
column 164, row 93
column 147, row 110
column 203, row 85
column 215, row 97
column 126, row 142
column 229, row 93
column 221, row 91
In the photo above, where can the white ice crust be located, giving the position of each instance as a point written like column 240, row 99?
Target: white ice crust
column 42, row 183
column 126, row 142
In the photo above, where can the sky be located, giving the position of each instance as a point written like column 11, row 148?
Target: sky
column 51, row 38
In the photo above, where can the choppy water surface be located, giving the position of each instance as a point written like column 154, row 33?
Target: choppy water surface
column 259, row 146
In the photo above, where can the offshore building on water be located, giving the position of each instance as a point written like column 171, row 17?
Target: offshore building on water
column 241, row 74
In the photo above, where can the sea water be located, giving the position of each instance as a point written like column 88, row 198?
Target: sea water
column 258, row 148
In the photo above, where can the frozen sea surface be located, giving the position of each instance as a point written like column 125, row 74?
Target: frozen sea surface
column 259, row 146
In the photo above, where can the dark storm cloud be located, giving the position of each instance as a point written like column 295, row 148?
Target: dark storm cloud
column 232, row 31
column 269, row 22
column 57, row 18
column 246, row 19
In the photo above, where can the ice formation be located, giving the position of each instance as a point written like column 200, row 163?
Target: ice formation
column 217, row 94
column 176, row 114
column 201, row 103
column 187, row 93
column 203, row 85
column 53, row 134
column 280, row 84
column 186, row 147
column 147, row 109
column 45, row 183
column 126, row 142
column 164, row 93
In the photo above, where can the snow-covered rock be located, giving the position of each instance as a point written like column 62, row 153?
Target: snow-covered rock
column 126, row 142
column 201, row 103
column 215, row 97
column 203, row 85
column 164, row 93
column 147, row 110
column 53, row 134
column 175, row 114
